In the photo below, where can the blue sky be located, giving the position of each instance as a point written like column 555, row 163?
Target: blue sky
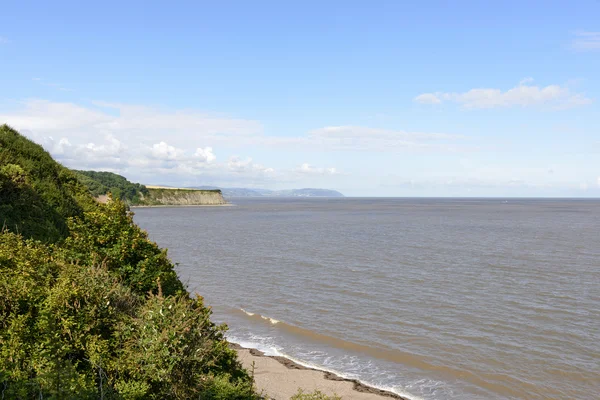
column 378, row 98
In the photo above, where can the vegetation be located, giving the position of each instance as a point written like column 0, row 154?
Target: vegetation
column 316, row 395
column 102, row 183
column 37, row 194
column 89, row 306
column 135, row 194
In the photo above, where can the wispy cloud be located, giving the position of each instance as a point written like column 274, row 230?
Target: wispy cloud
column 308, row 169
column 4, row 40
column 586, row 41
column 150, row 143
column 56, row 86
column 142, row 141
column 362, row 138
column 523, row 95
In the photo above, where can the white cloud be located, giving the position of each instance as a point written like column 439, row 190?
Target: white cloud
column 360, row 138
column 141, row 118
column 150, row 144
column 44, row 117
column 135, row 124
column 205, row 154
column 162, row 151
column 112, row 147
column 61, row 147
column 238, row 165
column 586, row 41
column 349, row 131
column 185, row 129
column 523, row 95
column 428, row 98
column 525, row 81
column 312, row 170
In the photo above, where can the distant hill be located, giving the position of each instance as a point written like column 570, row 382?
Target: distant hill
column 245, row 192
column 307, row 193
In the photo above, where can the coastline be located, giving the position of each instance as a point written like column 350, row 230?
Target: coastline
column 279, row 378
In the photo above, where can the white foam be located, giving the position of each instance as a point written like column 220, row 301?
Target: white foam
column 268, row 347
column 272, row 320
column 251, row 314
column 342, row 375
column 258, row 345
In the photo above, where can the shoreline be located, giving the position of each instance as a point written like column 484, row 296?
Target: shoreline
column 280, row 378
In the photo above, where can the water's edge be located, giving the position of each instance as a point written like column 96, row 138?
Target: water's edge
column 290, row 363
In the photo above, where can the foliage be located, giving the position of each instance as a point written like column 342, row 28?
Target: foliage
column 101, row 183
column 109, row 236
column 96, row 309
column 65, row 326
column 316, row 395
column 37, row 194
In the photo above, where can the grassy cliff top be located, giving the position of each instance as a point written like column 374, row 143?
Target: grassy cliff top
column 159, row 189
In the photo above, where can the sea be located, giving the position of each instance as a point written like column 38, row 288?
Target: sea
column 427, row 298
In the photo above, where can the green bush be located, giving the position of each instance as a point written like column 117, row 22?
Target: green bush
column 89, row 306
column 109, row 236
column 63, row 326
column 102, row 182
column 316, row 395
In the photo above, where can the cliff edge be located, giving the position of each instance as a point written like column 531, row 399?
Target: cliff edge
column 182, row 197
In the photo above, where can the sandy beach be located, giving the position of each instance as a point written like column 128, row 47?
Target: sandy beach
column 279, row 379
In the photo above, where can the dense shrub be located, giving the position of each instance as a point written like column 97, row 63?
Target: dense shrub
column 89, row 306
column 75, row 331
column 109, row 236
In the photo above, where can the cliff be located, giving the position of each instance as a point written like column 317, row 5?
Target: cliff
column 182, row 197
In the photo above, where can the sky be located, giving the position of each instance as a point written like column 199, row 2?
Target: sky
column 371, row 98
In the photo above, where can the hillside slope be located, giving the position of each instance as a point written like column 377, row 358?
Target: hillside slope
column 37, row 194
column 96, row 310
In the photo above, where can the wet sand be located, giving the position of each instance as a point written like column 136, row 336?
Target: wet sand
column 279, row 378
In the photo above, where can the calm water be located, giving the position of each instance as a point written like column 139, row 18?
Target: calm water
column 431, row 298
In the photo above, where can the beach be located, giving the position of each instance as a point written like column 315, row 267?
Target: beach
column 279, row 378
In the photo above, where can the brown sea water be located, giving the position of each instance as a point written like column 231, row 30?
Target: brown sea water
column 430, row 298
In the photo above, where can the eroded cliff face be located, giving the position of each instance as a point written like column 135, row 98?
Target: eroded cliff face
column 184, row 197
